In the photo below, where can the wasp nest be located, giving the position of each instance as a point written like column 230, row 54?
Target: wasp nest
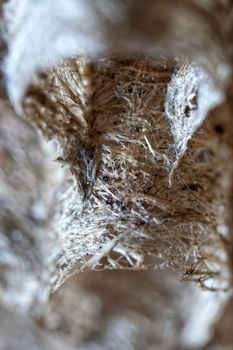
column 141, row 179
column 138, row 200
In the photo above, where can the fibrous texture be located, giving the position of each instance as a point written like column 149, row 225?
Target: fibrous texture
column 95, row 309
column 122, row 135
column 141, row 178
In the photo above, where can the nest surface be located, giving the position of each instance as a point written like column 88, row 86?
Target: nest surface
column 139, row 199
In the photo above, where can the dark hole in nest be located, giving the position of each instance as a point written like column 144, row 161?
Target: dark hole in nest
column 187, row 111
column 109, row 201
column 130, row 90
column 42, row 75
column 105, row 178
column 193, row 102
column 140, row 222
column 219, row 129
column 121, row 205
column 64, row 266
column 192, row 187
column 41, row 98
column 147, row 189
column 137, row 128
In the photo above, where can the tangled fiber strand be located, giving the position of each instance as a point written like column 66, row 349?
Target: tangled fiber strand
column 112, row 130
column 191, row 95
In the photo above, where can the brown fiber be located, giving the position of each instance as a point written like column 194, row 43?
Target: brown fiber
column 139, row 199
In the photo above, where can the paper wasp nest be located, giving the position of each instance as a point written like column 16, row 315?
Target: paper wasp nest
column 139, row 200
column 141, row 178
